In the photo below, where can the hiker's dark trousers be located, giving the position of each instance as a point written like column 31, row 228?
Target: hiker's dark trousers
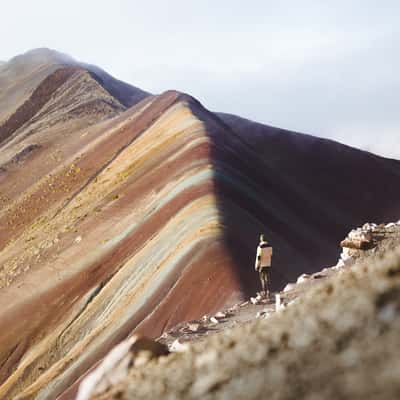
column 264, row 278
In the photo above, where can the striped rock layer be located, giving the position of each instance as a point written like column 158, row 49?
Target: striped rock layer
column 122, row 211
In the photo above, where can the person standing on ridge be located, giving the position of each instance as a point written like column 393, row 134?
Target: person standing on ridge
column 263, row 264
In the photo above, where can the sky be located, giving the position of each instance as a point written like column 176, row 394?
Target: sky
column 327, row 68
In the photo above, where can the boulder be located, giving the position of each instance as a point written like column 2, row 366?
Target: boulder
column 115, row 366
column 358, row 239
column 254, row 300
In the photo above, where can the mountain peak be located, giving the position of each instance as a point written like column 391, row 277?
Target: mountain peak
column 42, row 55
column 38, row 63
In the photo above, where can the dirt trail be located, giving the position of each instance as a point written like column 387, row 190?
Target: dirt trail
column 195, row 330
column 384, row 240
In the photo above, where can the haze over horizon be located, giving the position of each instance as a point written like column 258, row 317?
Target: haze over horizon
column 326, row 70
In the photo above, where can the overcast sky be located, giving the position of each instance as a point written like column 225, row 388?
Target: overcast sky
column 328, row 68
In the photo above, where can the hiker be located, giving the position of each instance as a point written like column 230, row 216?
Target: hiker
column 263, row 264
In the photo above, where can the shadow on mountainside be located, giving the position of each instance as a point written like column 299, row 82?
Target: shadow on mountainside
column 303, row 192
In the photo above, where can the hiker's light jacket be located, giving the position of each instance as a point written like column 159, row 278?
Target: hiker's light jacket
column 264, row 255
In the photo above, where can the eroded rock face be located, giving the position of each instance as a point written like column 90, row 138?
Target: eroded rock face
column 360, row 239
column 363, row 240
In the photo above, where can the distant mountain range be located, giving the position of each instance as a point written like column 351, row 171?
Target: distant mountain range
column 125, row 211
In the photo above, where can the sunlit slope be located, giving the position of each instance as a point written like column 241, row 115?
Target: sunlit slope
column 139, row 228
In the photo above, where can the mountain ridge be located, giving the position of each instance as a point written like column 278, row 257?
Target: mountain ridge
column 116, row 220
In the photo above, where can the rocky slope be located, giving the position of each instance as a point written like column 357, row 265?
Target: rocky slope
column 338, row 338
column 117, row 219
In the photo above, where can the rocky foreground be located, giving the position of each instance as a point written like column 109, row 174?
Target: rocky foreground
column 336, row 336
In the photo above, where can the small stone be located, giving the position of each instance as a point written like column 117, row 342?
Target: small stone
column 78, row 239
column 194, row 327
column 303, row 278
column 214, row 320
column 289, row 286
column 220, row 314
column 369, row 227
column 253, row 300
